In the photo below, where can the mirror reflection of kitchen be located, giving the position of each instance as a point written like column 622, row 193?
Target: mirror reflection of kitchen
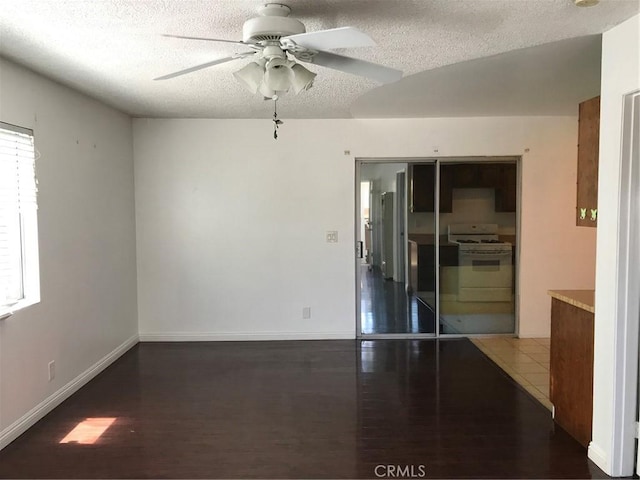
column 387, row 304
column 477, row 295
column 472, row 290
column 477, row 245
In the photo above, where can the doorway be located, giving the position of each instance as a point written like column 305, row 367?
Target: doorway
column 421, row 267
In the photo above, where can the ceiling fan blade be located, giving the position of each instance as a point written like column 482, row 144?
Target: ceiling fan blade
column 205, row 39
column 203, row 65
column 345, row 37
column 356, row 66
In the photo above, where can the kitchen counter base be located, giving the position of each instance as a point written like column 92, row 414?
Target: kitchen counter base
column 571, row 379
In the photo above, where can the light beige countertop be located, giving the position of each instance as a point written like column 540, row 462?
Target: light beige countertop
column 584, row 299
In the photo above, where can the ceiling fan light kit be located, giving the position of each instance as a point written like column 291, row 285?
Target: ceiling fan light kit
column 278, row 75
column 250, row 76
column 269, row 94
column 302, row 78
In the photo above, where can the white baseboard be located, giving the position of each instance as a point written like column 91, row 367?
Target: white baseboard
column 21, row 425
column 598, row 456
column 241, row 337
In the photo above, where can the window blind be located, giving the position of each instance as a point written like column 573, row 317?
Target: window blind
column 17, row 198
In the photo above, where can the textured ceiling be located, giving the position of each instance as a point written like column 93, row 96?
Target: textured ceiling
column 549, row 79
column 112, row 49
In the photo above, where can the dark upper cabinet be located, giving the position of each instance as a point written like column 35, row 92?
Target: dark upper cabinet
column 499, row 176
column 588, row 154
column 463, row 175
column 423, row 178
column 475, row 175
column 506, row 188
column 502, row 177
column 446, row 189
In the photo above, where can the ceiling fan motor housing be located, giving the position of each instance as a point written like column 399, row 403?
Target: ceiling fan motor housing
column 273, row 24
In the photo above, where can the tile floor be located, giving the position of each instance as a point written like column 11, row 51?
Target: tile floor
column 526, row 360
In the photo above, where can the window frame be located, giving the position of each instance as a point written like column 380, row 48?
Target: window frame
column 30, row 264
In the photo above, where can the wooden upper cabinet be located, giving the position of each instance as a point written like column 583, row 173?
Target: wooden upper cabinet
column 423, row 178
column 499, row 176
column 446, row 189
column 588, row 154
column 475, row 175
column 507, row 188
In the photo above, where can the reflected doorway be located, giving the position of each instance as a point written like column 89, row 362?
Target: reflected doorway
column 388, row 302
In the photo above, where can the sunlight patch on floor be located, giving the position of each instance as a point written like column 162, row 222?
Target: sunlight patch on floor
column 88, row 431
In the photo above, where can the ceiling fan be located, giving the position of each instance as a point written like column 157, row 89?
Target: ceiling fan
column 277, row 43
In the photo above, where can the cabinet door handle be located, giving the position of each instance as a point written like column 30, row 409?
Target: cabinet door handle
column 594, row 214
column 583, row 213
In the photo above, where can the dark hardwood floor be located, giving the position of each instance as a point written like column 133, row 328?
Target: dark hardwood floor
column 385, row 307
column 313, row 409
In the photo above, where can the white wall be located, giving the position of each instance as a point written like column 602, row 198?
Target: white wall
column 231, row 234
column 231, row 229
column 620, row 75
column 87, row 246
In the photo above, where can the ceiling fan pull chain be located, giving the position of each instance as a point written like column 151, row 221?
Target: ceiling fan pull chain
column 275, row 119
column 276, row 122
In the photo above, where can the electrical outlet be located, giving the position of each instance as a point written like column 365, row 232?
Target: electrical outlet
column 52, row 370
column 306, row 312
column 332, row 236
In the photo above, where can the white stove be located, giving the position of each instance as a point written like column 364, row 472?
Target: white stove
column 480, row 237
column 484, row 263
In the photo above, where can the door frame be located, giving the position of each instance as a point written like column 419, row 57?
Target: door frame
column 359, row 161
column 400, row 229
column 627, row 329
